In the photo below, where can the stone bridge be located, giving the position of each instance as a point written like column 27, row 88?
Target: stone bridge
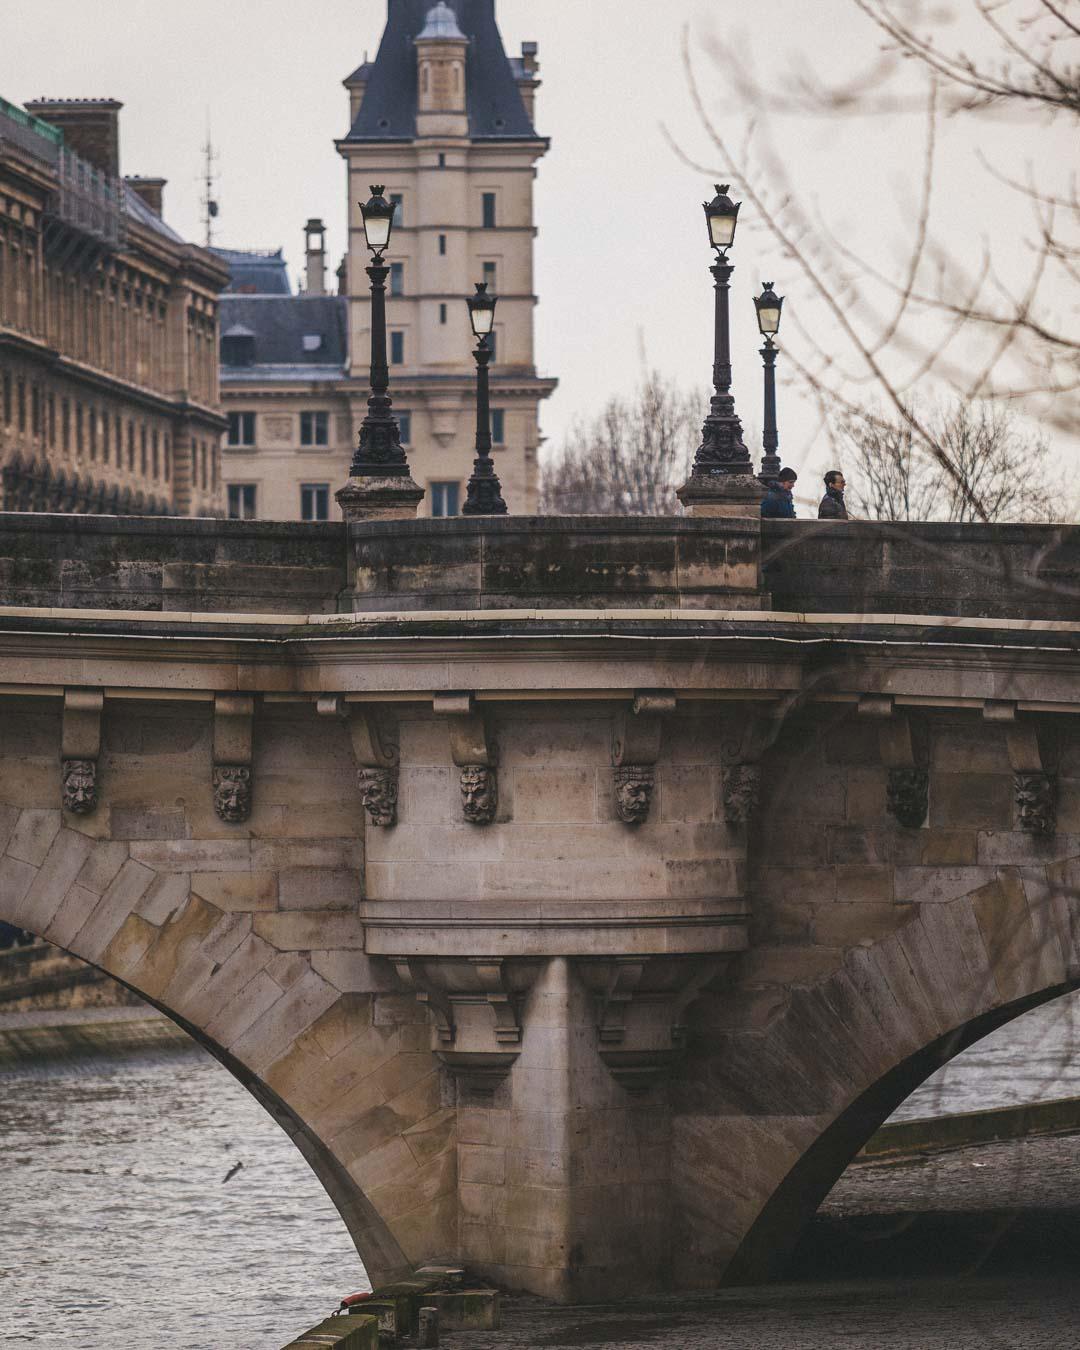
column 579, row 895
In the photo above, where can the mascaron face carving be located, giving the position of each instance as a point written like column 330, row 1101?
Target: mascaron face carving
column 633, row 792
column 908, row 796
column 232, row 793
column 379, row 794
column 741, row 792
column 80, row 786
column 1036, row 802
column 479, row 794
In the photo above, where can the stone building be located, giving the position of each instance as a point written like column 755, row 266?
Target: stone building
column 108, row 327
column 444, row 119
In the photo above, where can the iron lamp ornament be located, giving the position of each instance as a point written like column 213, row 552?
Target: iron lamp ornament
column 768, row 305
column 722, row 215
column 378, row 214
column 484, row 496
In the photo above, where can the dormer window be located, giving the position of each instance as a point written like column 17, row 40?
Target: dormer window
column 238, row 346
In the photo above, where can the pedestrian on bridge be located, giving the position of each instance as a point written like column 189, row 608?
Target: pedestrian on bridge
column 833, row 506
column 779, row 502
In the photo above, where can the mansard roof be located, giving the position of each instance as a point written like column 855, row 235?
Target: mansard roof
column 496, row 110
column 252, row 272
column 291, row 333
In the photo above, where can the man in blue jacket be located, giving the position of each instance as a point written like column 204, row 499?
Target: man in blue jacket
column 778, row 503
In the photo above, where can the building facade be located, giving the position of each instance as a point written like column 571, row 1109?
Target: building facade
column 444, row 119
column 108, row 327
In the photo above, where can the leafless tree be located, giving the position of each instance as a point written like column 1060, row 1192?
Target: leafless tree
column 630, row 459
column 1008, row 471
column 985, row 328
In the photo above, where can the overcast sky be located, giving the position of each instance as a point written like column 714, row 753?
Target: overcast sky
column 621, row 258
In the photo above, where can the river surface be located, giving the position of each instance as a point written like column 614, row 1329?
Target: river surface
column 118, row 1228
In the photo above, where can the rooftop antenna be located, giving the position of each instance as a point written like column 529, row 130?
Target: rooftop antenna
column 209, row 202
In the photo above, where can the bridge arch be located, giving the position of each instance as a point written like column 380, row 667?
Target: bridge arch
column 798, row 1098
column 165, row 930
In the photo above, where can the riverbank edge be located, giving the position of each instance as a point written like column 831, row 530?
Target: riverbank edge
column 935, row 1134
column 92, row 1032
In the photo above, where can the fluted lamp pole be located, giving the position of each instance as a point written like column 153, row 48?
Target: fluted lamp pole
column 722, row 480
column 380, row 486
column 484, row 496
column 768, row 305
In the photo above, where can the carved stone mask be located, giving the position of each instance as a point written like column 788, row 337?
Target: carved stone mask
column 232, row 793
column 379, row 794
column 633, row 793
column 907, row 796
column 80, row 786
column 479, row 794
column 1036, row 802
column 741, row 792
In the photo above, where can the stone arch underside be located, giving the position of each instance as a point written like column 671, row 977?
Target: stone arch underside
column 249, row 938
column 768, row 1117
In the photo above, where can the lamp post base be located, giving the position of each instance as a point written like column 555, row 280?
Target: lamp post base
column 396, row 498
column 706, row 495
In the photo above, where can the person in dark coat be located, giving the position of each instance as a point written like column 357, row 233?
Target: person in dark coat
column 832, row 505
column 778, row 503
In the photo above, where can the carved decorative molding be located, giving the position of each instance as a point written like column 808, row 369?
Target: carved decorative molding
column 377, row 756
column 745, row 739
column 907, row 796
column 636, row 738
column 640, row 1006
column 903, row 745
column 80, row 749
column 232, row 776
column 1034, row 762
column 475, row 1005
column 473, row 751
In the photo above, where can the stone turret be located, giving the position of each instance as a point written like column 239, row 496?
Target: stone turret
column 441, row 49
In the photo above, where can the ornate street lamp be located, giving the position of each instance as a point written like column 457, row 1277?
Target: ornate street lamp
column 722, row 450
column 768, row 305
column 379, row 453
column 484, row 497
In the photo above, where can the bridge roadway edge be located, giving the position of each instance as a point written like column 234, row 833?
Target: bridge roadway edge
column 580, row 1055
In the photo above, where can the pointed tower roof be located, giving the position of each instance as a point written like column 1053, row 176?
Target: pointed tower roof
column 495, row 107
column 441, row 25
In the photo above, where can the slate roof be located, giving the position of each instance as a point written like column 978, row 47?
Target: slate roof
column 496, row 110
column 138, row 210
column 254, row 273
column 280, row 324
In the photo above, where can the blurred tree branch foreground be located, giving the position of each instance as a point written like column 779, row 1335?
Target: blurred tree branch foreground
column 973, row 326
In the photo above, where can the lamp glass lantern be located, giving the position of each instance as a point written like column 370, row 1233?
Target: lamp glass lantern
column 482, row 311
column 378, row 216
column 768, row 305
column 722, row 215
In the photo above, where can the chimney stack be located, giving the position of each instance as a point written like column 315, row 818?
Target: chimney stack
column 91, row 127
column 151, row 190
column 315, row 237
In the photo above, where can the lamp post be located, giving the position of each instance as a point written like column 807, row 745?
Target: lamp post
column 484, row 496
column 768, row 305
column 722, row 450
column 379, row 453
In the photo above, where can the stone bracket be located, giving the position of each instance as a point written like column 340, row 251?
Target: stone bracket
column 1033, row 758
column 80, row 749
column 234, row 726
column 903, row 748
column 475, row 1010
column 473, row 751
column 640, row 1003
column 377, row 759
column 636, row 738
column 742, row 747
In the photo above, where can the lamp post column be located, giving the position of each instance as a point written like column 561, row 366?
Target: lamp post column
column 770, row 440
column 380, row 486
column 484, row 496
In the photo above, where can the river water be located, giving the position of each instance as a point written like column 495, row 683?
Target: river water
column 118, row 1227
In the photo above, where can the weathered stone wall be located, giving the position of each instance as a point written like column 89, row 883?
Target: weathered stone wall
column 877, row 567
column 877, row 952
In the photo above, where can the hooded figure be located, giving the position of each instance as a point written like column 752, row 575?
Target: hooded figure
column 778, row 503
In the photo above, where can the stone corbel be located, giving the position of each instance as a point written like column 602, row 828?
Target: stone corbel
column 640, row 1004
column 475, row 1005
column 637, row 735
column 1034, row 767
column 472, row 749
column 746, row 738
column 80, row 749
column 903, row 753
column 377, row 759
column 234, row 721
